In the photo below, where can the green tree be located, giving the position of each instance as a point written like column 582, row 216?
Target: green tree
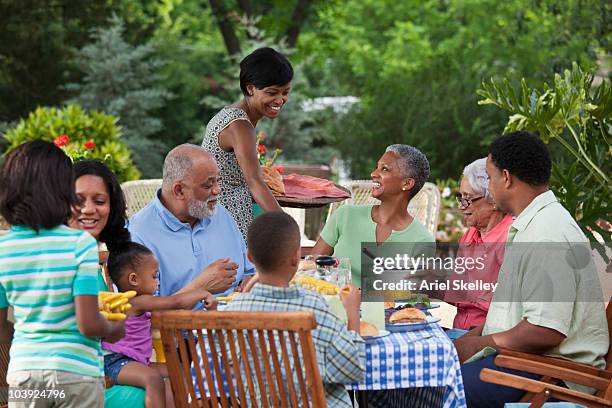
column 198, row 67
column 284, row 19
column 123, row 80
column 36, row 40
column 416, row 66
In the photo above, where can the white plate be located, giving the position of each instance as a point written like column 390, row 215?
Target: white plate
column 381, row 333
column 400, row 327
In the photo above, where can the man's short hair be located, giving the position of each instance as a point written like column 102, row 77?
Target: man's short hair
column 524, row 155
column 271, row 239
column 179, row 163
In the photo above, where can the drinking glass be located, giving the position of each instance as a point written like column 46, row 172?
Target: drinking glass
column 344, row 272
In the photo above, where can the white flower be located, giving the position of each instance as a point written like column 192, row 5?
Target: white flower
column 446, row 192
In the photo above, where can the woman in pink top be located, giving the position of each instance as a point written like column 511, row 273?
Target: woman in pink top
column 487, row 232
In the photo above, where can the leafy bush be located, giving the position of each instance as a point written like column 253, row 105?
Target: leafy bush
column 451, row 226
column 80, row 126
column 579, row 119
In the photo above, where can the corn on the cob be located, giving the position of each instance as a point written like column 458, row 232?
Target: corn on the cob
column 317, row 285
column 113, row 316
column 113, row 306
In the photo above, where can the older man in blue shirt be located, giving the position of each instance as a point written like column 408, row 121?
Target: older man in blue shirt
column 195, row 240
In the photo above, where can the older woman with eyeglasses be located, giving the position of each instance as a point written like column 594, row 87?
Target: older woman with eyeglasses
column 486, row 226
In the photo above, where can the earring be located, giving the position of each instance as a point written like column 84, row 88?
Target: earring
column 494, row 207
column 403, row 188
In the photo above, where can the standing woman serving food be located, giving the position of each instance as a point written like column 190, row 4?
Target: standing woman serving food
column 265, row 81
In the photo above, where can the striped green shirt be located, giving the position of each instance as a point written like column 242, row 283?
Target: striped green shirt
column 40, row 274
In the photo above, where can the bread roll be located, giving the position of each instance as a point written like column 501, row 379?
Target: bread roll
column 367, row 329
column 389, row 305
column 409, row 315
column 273, row 180
column 307, row 265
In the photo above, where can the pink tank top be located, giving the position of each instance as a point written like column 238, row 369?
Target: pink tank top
column 137, row 342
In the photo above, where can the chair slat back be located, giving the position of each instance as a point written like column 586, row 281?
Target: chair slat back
column 139, row 193
column 607, row 393
column 609, row 319
column 4, row 361
column 425, row 206
column 243, row 359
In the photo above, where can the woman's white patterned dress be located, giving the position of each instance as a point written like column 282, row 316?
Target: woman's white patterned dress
column 235, row 193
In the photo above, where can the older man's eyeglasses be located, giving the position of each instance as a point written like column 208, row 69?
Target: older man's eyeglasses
column 465, row 202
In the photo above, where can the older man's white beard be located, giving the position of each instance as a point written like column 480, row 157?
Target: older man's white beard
column 201, row 209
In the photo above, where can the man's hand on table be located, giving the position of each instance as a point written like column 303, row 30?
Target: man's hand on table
column 525, row 337
column 476, row 331
column 467, row 346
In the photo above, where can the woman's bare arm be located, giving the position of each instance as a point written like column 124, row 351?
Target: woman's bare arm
column 322, row 248
column 240, row 138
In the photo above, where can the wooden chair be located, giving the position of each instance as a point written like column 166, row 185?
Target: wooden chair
column 139, row 193
column 425, row 206
column 238, row 344
column 4, row 361
column 552, row 370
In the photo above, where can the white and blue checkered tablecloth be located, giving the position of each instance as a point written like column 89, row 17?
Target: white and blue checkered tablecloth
column 423, row 358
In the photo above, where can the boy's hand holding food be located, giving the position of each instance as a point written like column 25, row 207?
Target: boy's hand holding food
column 350, row 296
column 209, row 301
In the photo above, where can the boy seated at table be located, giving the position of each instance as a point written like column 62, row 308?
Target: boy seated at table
column 273, row 245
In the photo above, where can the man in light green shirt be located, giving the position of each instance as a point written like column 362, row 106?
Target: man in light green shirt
column 548, row 300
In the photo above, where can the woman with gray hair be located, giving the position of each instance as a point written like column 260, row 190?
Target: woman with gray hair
column 399, row 174
column 487, row 226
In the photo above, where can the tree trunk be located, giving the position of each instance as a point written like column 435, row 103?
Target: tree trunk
column 300, row 12
column 247, row 7
column 227, row 30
